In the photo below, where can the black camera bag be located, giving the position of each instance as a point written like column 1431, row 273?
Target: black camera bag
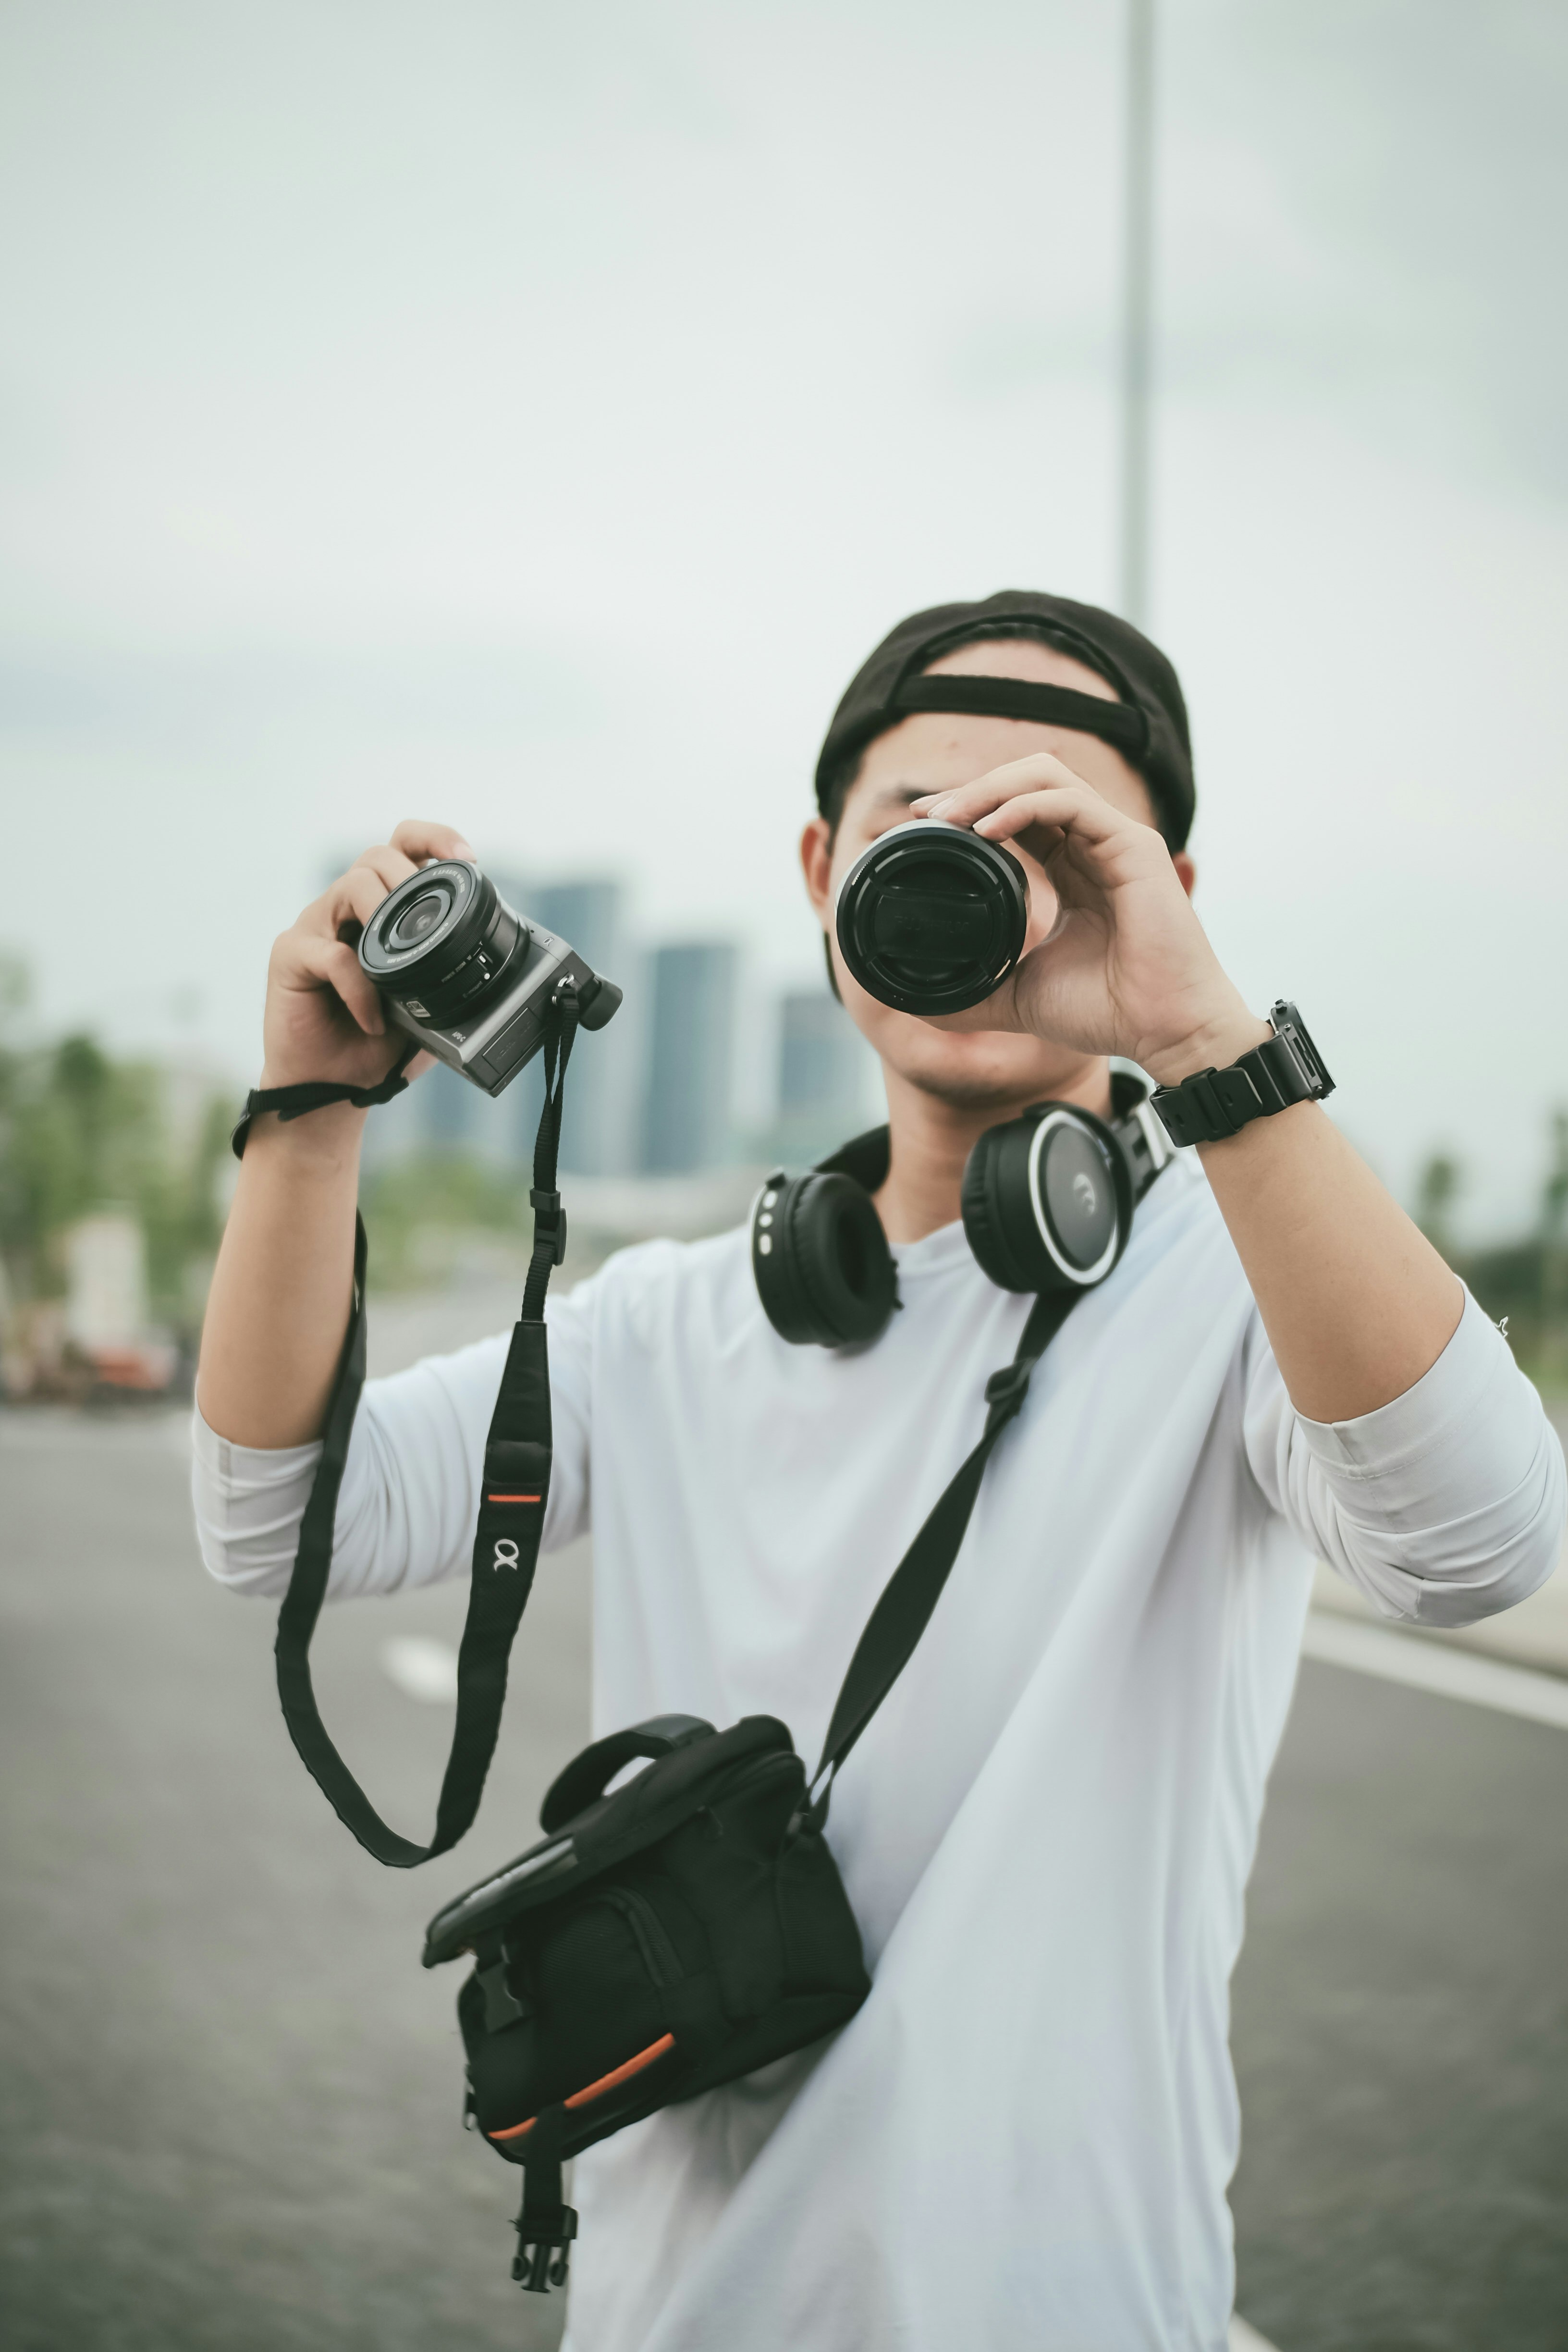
column 663, row 1937
column 683, row 1930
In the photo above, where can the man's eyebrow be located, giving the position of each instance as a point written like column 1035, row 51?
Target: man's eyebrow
column 901, row 793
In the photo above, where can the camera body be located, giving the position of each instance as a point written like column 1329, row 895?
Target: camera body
column 470, row 980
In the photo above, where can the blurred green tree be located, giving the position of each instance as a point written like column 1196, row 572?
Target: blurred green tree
column 416, row 1205
column 80, row 1130
column 1523, row 1281
column 1439, row 1186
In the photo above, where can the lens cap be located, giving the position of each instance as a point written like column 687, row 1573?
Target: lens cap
column 932, row 918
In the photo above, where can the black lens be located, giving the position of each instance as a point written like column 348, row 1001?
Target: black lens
column 932, row 918
column 443, row 943
column 417, row 922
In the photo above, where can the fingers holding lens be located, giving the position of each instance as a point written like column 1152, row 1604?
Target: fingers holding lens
column 364, row 886
column 329, row 964
column 963, row 804
column 387, row 863
column 417, row 839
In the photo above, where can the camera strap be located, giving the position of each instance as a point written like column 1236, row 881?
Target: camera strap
column 895, row 1626
column 514, row 1493
column 315, row 1094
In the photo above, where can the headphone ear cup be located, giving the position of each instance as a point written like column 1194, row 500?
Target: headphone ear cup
column 825, row 1273
column 998, row 1214
column 1047, row 1199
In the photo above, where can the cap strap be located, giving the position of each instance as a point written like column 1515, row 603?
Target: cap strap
column 1122, row 723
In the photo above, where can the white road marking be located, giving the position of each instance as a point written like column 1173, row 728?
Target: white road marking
column 1247, row 2339
column 1426, row 1666
column 425, row 1669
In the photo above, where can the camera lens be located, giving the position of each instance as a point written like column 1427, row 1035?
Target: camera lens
column 932, row 918
column 417, row 922
column 443, row 943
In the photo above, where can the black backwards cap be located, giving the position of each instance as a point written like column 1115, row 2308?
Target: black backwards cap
column 1148, row 724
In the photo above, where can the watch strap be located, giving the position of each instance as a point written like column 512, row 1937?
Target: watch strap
column 1213, row 1104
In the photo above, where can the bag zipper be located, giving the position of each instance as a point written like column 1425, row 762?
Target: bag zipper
column 659, row 1954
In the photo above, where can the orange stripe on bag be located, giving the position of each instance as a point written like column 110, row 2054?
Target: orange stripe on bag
column 596, row 2090
column 511, row 1498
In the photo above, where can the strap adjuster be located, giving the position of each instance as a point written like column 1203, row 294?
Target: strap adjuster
column 548, row 1221
column 1006, row 1390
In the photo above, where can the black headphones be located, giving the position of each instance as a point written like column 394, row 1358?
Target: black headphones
column 1048, row 1206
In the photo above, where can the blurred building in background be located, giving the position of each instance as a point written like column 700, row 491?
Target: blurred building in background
column 688, row 1062
column 827, row 1078
column 599, row 1130
column 652, row 1094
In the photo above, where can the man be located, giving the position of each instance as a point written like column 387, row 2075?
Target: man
column 1025, row 2136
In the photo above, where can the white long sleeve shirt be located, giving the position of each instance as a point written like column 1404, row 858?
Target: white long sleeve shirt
column 1025, row 2136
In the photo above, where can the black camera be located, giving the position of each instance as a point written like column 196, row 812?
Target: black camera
column 931, row 917
column 469, row 979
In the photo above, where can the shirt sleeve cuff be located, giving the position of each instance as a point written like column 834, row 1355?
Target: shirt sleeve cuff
column 248, row 1466
column 1464, row 1384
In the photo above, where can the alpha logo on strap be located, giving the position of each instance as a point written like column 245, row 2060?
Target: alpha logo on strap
column 506, row 1553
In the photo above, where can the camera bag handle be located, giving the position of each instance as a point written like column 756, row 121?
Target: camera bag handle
column 512, row 1496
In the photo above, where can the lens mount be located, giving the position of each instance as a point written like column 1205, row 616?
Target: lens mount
column 931, row 917
column 441, row 941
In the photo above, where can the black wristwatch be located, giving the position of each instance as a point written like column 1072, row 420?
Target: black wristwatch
column 1212, row 1104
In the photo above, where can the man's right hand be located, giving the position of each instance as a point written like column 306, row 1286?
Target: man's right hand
column 323, row 1018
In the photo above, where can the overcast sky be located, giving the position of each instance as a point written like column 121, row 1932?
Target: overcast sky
column 531, row 418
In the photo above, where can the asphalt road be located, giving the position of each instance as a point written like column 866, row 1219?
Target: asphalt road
column 230, row 2095
column 1400, row 2023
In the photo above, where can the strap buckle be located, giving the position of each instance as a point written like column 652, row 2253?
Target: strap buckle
column 548, row 1221
column 1006, row 1390
column 1156, row 1141
column 502, row 2007
column 541, row 2236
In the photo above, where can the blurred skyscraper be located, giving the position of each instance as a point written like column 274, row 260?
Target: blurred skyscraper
column 825, row 1077
column 599, row 1130
column 649, row 1093
column 600, row 1133
column 686, row 1123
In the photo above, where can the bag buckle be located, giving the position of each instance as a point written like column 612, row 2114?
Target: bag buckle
column 543, row 2255
column 502, row 2007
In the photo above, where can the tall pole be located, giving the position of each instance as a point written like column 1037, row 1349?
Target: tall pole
column 1137, row 314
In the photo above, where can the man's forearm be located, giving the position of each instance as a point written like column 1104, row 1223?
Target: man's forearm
column 1356, row 1302
column 281, row 1288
